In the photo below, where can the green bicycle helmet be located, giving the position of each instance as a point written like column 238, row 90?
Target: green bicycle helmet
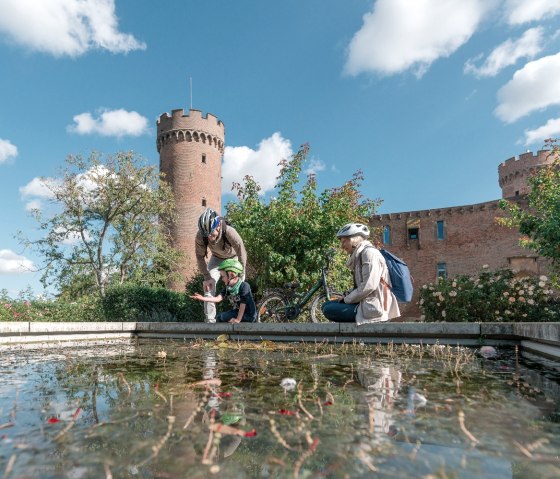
column 231, row 264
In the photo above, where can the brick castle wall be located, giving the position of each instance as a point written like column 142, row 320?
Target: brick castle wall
column 191, row 148
column 471, row 240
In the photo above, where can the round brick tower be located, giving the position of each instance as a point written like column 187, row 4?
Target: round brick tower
column 190, row 150
column 514, row 172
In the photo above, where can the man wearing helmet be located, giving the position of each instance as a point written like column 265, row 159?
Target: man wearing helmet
column 236, row 290
column 224, row 242
column 371, row 300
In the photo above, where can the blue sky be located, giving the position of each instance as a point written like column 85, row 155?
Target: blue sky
column 426, row 97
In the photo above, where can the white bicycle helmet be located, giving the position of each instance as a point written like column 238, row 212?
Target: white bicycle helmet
column 353, row 229
column 208, row 222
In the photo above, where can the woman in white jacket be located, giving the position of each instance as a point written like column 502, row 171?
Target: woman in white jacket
column 371, row 300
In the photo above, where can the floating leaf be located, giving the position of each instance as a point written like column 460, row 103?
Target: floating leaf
column 222, row 337
column 230, row 418
column 53, row 420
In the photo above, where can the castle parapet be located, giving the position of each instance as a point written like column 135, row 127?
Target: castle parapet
column 437, row 212
column 514, row 172
column 190, row 127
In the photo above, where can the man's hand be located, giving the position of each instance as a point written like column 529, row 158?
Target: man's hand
column 207, row 285
column 341, row 300
column 197, row 296
column 235, row 320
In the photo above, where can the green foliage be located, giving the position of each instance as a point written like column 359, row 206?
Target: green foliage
column 108, row 225
column 22, row 309
column 131, row 302
column 286, row 236
column 493, row 296
column 540, row 222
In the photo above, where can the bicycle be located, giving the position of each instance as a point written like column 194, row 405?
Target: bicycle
column 285, row 304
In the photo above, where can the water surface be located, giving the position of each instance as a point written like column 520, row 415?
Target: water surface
column 163, row 409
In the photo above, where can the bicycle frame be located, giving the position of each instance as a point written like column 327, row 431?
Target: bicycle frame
column 293, row 301
column 322, row 282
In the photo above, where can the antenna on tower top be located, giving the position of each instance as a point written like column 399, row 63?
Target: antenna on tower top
column 190, row 90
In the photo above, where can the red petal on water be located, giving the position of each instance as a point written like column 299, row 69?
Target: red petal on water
column 314, row 444
column 53, row 420
column 224, row 395
column 327, row 403
column 251, row 433
column 287, row 412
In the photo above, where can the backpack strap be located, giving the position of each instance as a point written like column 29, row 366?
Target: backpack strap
column 381, row 280
column 224, row 237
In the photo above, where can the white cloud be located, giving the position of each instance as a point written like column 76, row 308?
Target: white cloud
column 71, row 237
column 314, row 167
column 533, row 87
column 65, row 27
column 39, row 187
column 506, row 54
column 34, row 205
column 110, row 123
column 12, row 263
column 523, row 11
column 36, row 190
column 549, row 130
column 398, row 35
column 7, row 150
column 261, row 164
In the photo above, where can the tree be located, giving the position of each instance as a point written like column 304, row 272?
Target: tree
column 540, row 221
column 109, row 225
column 286, row 236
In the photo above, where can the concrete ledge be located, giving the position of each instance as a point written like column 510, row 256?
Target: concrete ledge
column 548, row 333
column 66, row 337
column 13, row 327
column 289, row 329
column 546, row 350
column 65, row 328
column 412, row 330
column 505, row 330
column 542, row 338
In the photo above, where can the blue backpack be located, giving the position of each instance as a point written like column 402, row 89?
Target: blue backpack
column 401, row 279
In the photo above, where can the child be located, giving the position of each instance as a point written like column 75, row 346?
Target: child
column 238, row 292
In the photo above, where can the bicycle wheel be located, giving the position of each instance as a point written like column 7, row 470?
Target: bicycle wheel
column 317, row 306
column 272, row 308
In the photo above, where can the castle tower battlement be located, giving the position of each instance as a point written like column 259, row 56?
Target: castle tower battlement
column 190, row 127
column 190, row 149
column 514, row 172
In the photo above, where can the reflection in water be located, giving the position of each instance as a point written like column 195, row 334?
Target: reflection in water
column 174, row 410
column 382, row 385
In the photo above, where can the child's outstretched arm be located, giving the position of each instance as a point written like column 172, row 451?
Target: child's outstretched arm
column 207, row 299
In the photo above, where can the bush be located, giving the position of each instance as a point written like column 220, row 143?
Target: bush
column 87, row 309
column 493, row 296
column 131, row 302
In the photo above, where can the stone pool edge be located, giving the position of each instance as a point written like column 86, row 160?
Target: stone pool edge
column 539, row 338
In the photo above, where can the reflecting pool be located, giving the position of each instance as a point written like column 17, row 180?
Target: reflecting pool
column 170, row 409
